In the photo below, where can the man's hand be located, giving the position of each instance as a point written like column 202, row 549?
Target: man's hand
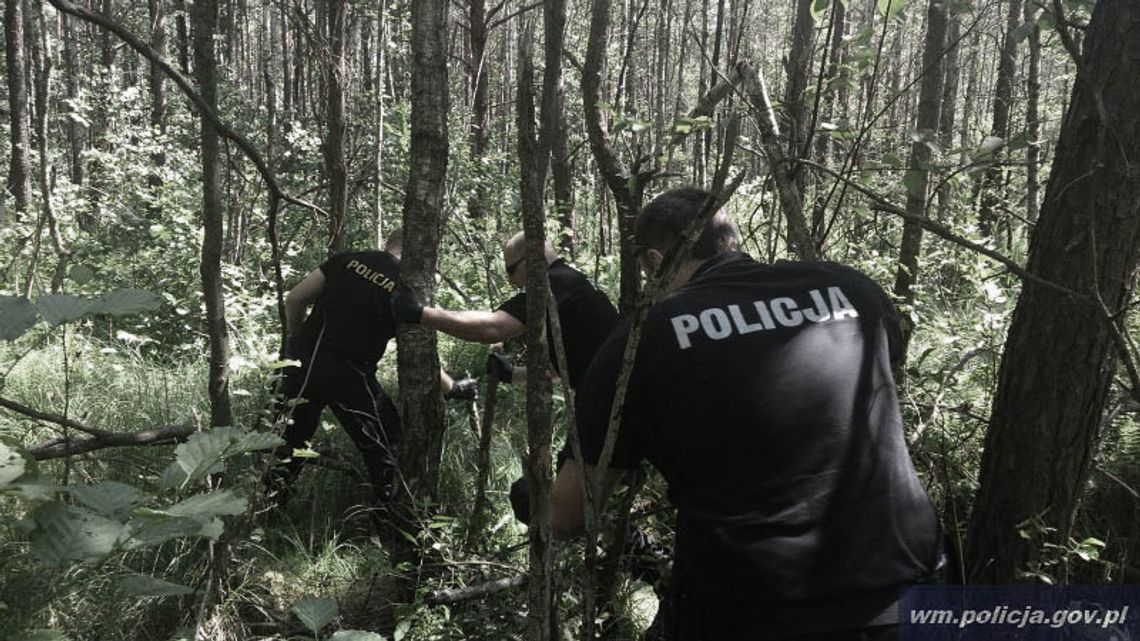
column 407, row 305
column 294, row 347
column 500, row 367
column 463, row 389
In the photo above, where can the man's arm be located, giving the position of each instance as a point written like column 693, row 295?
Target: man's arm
column 568, row 503
column 477, row 326
column 300, row 297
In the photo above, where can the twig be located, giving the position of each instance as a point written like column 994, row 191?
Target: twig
column 62, row 447
column 454, row 595
column 54, row 418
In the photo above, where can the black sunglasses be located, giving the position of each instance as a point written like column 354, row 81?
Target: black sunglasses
column 513, row 266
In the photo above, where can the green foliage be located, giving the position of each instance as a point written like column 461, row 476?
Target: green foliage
column 146, row 585
column 890, row 8
column 205, row 453
column 315, row 612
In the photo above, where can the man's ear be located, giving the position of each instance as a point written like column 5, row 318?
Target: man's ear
column 655, row 259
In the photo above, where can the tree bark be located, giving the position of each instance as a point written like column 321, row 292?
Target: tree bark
column 627, row 189
column 336, row 165
column 919, row 165
column 157, row 79
column 798, row 66
column 75, row 130
column 949, row 112
column 1033, row 118
column 183, row 36
column 1003, row 102
column 554, row 122
column 479, row 132
column 532, row 176
column 420, row 402
column 204, row 18
column 19, row 182
column 1060, row 357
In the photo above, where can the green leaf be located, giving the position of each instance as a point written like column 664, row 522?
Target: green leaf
column 17, row 316
column 66, row 533
column 204, row 452
column 110, row 499
column 890, row 8
column 315, row 611
column 126, row 301
column 11, row 466
column 61, row 308
column 146, row 585
column 356, row 635
column 153, row 528
column 80, row 274
column 818, row 8
column 202, row 507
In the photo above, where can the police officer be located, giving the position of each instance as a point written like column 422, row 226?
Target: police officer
column 339, row 345
column 763, row 394
column 585, row 314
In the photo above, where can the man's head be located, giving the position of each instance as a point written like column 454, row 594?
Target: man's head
column 661, row 224
column 395, row 243
column 514, row 258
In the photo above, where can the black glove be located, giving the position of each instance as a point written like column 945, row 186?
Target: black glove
column 463, row 389
column 500, row 367
column 407, row 305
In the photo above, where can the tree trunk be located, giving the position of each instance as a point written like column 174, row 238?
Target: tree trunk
column 948, row 115
column 420, row 402
column 43, row 70
column 479, row 132
column 1032, row 117
column 554, row 123
column 627, row 189
column 918, row 167
column 183, row 36
column 1060, row 357
column 19, row 183
column 157, row 12
column 204, row 17
column 75, row 130
column 1003, row 102
column 532, row 175
column 798, row 66
column 336, row 165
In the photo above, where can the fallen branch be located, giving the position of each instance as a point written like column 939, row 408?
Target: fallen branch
column 455, row 595
column 62, row 447
column 53, row 418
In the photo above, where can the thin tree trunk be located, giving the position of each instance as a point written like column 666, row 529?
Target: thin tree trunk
column 183, row 36
column 1032, row 117
column 204, row 22
column 798, row 66
column 479, row 133
column 948, row 116
column 19, row 183
column 336, row 165
column 919, row 166
column 43, row 69
column 532, row 174
column 1003, row 102
column 157, row 12
column 1061, row 354
column 75, row 129
column 627, row 189
column 554, row 123
column 420, row 401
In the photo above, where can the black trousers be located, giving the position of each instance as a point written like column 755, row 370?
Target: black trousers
column 365, row 412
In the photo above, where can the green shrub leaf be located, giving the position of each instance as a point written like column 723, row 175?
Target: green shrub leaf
column 66, row 533
column 61, row 308
column 17, row 316
column 203, row 507
column 126, row 301
column 204, row 452
column 315, row 611
column 110, row 499
column 146, row 585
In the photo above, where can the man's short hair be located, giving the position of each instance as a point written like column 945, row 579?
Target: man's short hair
column 662, row 222
column 395, row 239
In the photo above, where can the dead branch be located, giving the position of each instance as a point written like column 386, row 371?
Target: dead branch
column 477, row 591
column 62, row 447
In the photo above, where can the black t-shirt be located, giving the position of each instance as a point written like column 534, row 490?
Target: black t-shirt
column 764, row 395
column 587, row 317
column 352, row 316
